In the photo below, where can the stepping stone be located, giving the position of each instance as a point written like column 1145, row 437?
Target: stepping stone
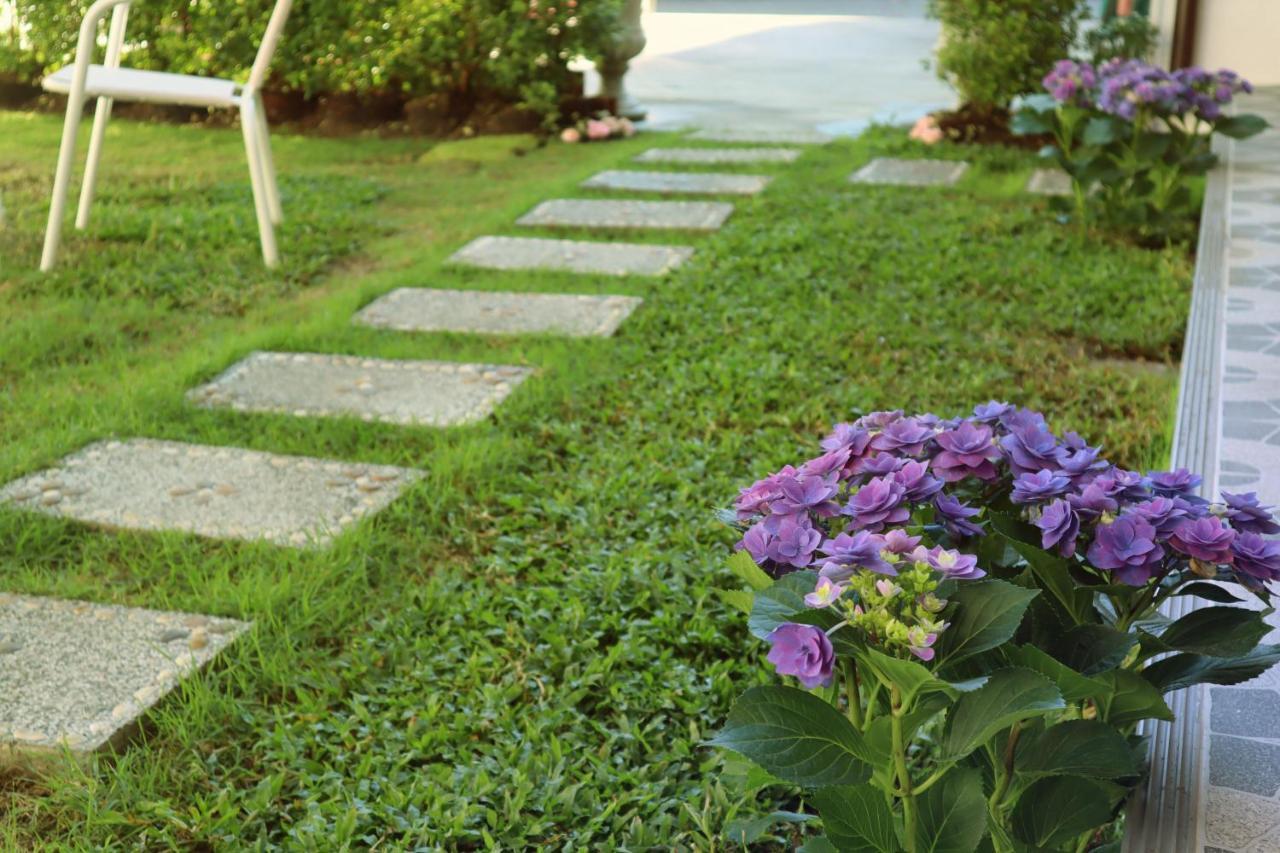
column 607, row 213
column 79, row 675
column 521, row 253
column 910, row 173
column 219, row 492
column 416, row 309
column 424, row 393
column 719, row 155
column 763, row 137
column 1049, row 182
column 710, row 183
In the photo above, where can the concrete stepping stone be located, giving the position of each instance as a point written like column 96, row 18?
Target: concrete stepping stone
column 706, row 183
column 1049, row 182
column 610, row 213
column 79, row 675
column 419, row 309
column 424, row 393
column 910, row 173
column 219, row 492
column 524, row 253
column 762, row 137
column 715, row 156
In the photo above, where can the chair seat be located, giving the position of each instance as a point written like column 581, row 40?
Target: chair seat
column 157, row 87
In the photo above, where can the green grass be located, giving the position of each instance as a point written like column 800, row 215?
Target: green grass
column 524, row 650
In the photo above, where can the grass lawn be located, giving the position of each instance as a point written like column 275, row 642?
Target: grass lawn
column 525, row 650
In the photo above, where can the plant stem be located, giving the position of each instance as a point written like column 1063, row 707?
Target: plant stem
column 852, row 694
column 1006, row 776
column 904, row 775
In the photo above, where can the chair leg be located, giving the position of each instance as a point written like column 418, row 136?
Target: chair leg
column 101, row 116
column 61, row 183
column 268, row 164
column 257, row 177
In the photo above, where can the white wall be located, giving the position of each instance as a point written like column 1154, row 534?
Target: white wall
column 1243, row 35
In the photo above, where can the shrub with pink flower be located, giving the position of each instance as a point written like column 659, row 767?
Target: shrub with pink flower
column 599, row 129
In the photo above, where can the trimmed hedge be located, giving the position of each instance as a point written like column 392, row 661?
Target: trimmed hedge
column 462, row 52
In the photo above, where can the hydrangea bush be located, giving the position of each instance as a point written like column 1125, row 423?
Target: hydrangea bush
column 969, row 608
column 1132, row 135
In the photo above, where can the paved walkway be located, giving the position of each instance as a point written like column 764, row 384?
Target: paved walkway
column 1241, row 809
column 831, row 66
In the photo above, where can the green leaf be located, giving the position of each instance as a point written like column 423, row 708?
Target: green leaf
column 1052, row 574
column 817, row 844
column 857, row 819
column 911, row 678
column 1100, row 131
column 1057, row 810
column 1132, row 698
column 744, row 567
column 739, row 599
column 781, row 601
column 1221, row 632
column 1009, row 695
column 1073, row 685
column 1241, row 126
column 1209, row 592
column 983, row 615
column 1078, row 748
column 746, row 830
column 1028, row 122
column 952, row 815
column 1179, row 671
column 1091, row 649
column 796, row 736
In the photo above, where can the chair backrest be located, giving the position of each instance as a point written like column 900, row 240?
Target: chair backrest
column 262, row 62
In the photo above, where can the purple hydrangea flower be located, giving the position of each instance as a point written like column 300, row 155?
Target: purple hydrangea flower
column 847, row 552
column 803, row 651
column 1205, row 539
column 954, row 517
column 1030, row 448
column 756, row 542
column 754, row 499
column 1255, row 560
column 878, row 420
column 1164, row 514
column 831, row 462
column 1126, row 485
column 1248, row 515
column 1059, row 528
column 805, row 493
column 794, row 540
column 1092, row 501
column 917, row 484
column 919, row 641
column 847, row 436
column 1128, row 548
column 1172, row 483
column 1042, row 486
column 1071, row 82
column 905, row 436
column 992, row 411
column 878, row 504
column 899, row 541
column 953, row 564
column 824, row 594
column 878, row 465
column 967, row 451
column 1081, row 463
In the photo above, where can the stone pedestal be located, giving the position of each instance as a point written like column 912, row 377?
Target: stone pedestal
column 627, row 44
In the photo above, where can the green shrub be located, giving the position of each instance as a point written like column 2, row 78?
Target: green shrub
column 995, row 50
column 465, row 51
column 1131, row 37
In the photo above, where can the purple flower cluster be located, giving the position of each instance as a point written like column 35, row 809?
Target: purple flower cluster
column 888, row 479
column 1126, row 87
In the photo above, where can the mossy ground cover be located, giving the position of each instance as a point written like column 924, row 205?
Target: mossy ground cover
column 526, row 650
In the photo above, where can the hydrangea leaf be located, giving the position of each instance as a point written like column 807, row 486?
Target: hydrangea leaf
column 781, row 601
column 1009, row 695
column 952, row 815
column 1091, row 649
column 1241, row 126
column 1057, row 810
column 1132, row 698
column 1222, row 632
column 1210, row 592
column 983, row 614
column 911, row 678
column 1078, row 748
column 797, row 737
column 1184, row 670
column 739, row 599
column 745, row 568
column 1073, row 685
column 857, row 819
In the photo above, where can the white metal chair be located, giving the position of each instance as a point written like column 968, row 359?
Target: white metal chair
column 109, row 82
